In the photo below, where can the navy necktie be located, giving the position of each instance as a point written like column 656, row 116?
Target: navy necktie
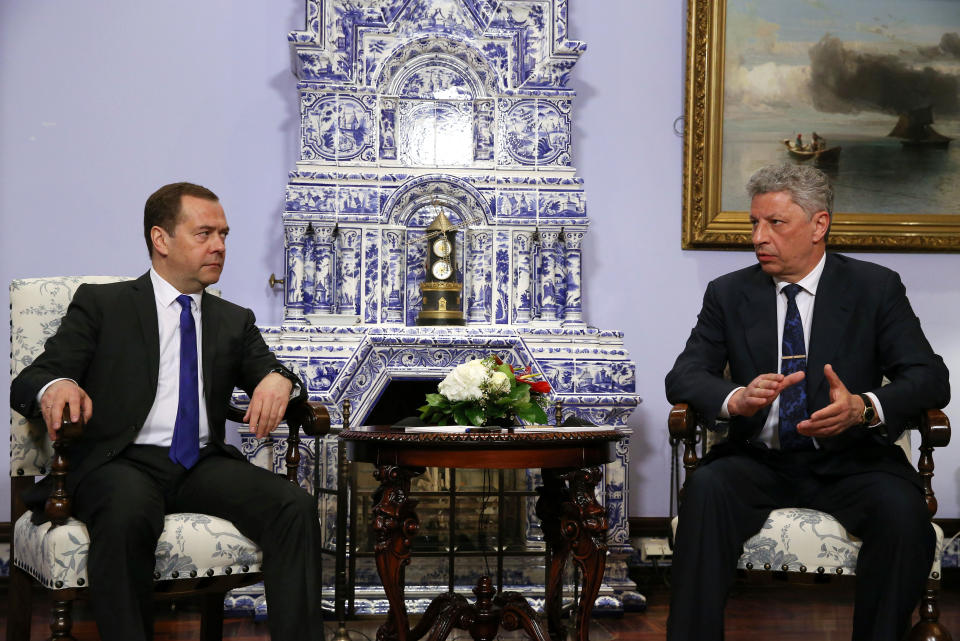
column 185, row 448
column 793, row 400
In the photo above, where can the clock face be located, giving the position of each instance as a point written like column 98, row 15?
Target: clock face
column 441, row 270
column 441, row 247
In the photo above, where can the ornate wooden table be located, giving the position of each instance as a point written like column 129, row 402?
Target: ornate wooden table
column 572, row 521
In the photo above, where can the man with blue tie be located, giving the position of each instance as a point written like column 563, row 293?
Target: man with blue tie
column 150, row 365
column 808, row 336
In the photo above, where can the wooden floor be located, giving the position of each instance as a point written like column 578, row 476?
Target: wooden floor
column 784, row 611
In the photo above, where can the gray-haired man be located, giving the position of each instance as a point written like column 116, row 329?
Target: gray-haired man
column 808, row 336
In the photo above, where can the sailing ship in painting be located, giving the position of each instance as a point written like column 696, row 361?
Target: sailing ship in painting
column 914, row 129
column 817, row 150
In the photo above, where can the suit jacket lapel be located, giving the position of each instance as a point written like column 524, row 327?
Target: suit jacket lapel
column 146, row 305
column 209, row 323
column 831, row 314
column 758, row 317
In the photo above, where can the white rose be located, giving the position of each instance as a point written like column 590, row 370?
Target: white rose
column 499, row 382
column 465, row 381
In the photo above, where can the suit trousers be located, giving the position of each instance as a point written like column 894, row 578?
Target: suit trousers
column 123, row 503
column 728, row 499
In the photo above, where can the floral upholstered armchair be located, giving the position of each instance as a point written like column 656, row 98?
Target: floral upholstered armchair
column 805, row 540
column 196, row 553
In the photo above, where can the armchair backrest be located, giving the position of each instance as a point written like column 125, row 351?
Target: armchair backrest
column 36, row 307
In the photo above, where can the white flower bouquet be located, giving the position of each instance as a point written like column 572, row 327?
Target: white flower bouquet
column 487, row 391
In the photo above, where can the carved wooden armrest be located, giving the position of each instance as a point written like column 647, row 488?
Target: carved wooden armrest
column 934, row 432
column 309, row 416
column 683, row 429
column 57, row 507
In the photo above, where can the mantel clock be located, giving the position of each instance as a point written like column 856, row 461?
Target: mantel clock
column 443, row 288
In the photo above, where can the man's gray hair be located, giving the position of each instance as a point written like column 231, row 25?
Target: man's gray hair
column 808, row 187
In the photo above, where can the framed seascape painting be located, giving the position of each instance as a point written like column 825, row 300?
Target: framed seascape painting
column 866, row 90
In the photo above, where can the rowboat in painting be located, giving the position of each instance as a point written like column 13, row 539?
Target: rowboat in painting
column 824, row 155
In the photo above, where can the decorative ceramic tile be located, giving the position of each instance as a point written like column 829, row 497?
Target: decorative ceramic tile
column 356, row 199
column 348, row 282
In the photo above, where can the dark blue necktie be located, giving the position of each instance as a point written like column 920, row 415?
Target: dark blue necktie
column 793, row 400
column 185, row 448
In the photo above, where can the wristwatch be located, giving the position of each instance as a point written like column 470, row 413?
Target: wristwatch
column 869, row 416
column 295, row 391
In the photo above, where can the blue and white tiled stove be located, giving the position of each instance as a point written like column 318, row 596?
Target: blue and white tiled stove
column 409, row 108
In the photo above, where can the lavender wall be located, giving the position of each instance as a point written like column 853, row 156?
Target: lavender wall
column 102, row 102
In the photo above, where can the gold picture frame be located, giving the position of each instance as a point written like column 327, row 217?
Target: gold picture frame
column 706, row 225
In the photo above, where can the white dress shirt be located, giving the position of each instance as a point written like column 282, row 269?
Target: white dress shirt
column 806, row 298
column 158, row 427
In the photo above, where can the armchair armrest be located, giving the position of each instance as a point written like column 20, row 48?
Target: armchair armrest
column 309, row 416
column 683, row 422
column 57, row 507
column 934, row 432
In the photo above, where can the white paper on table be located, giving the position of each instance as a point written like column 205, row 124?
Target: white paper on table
column 460, row 429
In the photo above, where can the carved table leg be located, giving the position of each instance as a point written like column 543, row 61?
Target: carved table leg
column 553, row 495
column 574, row 522
column 395, row 524
column 584, row 525
column 445, row 611
column 517, row 613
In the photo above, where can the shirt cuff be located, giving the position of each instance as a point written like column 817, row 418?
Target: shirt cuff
column 724, row 410
column 44, row 388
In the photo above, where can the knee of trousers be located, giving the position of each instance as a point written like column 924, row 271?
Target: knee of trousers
column 901, row 510
column 295, row 504
column 901, row 521
column 704, row 488
column 127, row 527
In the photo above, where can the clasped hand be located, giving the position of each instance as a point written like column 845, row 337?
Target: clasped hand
column 844, row 410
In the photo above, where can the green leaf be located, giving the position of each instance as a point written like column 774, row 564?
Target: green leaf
column 521, row 394
column 528, row 413
column 436, row 399
column 540, row 417
column 475, row 415
column 460, row 415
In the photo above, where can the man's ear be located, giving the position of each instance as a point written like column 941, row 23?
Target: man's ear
column 821, row 221
column 159, row 236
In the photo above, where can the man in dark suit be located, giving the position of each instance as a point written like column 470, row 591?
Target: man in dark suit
column 808, row 337
column 150, row 365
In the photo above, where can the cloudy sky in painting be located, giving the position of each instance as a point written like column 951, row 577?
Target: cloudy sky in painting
column 842, row 56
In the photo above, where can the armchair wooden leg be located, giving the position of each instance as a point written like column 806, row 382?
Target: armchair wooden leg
column 21, row 602
column 62, row 621
column 928, row 628
column 211, row 616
